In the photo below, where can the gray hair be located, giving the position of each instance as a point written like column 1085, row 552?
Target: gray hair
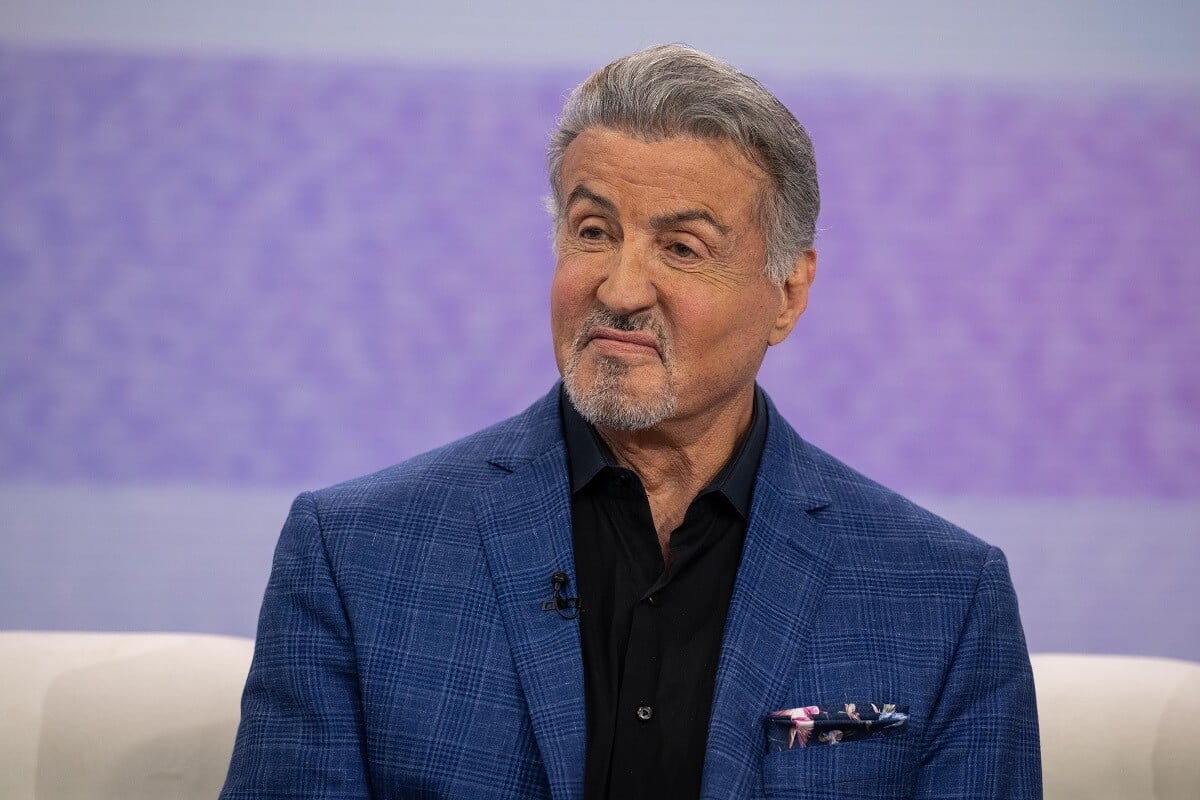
column 673, row 91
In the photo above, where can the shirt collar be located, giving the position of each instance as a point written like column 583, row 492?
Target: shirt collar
column 588, row 455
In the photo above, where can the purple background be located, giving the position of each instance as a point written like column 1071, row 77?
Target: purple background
column 273, row 275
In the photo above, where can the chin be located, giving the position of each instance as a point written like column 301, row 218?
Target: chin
column 609, row 394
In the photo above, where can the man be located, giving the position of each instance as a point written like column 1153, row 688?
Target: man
column 646, row 585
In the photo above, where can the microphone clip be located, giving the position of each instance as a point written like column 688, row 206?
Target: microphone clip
column 567, row 607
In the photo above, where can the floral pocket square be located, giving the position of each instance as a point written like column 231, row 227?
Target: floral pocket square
column 810, row 725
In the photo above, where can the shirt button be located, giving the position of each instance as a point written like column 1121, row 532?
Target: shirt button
column 644, row 713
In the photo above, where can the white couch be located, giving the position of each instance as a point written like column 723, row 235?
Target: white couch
column 118, row 715
column 129, row 716
column 1118, row 727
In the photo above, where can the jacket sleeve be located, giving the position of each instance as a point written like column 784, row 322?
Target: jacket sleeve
column 301, row 731
column 982, row 736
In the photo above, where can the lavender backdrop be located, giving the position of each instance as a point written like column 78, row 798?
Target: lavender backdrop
column 225, row 280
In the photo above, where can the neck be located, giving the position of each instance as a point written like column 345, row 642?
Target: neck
column 678, row 458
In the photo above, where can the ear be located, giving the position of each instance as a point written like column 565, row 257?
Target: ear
column 793, row 296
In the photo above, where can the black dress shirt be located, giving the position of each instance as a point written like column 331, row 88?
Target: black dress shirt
column 651, row 637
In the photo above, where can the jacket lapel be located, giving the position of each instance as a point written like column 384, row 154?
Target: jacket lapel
column 786, row 560
column 525, row 522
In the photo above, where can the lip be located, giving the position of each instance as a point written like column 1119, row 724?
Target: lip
column 627, row 341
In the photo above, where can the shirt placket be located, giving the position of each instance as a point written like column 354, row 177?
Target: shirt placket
column 639, row 723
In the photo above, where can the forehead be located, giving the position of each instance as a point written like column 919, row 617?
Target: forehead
column 664, row 175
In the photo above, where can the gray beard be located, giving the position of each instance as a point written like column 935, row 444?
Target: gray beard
column 604, row 403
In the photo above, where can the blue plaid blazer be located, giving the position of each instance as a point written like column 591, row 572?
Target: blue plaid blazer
column 403, row 651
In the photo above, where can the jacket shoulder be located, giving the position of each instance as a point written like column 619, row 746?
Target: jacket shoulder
column 464, row 466
column 873, row 516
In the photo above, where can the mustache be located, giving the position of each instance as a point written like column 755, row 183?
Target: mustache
column 603, row 318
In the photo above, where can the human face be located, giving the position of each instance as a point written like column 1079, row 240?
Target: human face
column 661, row 308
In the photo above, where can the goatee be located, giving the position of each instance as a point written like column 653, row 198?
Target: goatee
column 607, row 400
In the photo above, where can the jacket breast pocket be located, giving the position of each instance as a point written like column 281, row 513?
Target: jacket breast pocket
column 880, row 769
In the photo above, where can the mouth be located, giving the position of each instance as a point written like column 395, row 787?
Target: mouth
column 632, row 342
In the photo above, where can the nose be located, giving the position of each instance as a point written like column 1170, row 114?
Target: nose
column 628, row 285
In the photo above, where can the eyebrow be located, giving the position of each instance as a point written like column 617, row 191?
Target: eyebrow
column 694, row 215
column 660, row 222
column 584, row 193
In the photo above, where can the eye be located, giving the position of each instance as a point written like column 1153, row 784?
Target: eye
column 681, row 250
column 591, row 232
